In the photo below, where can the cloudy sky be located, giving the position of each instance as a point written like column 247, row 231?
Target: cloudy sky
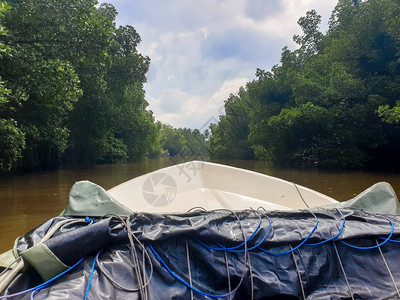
column 201, row 51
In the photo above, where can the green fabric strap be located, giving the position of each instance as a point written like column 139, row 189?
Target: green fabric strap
column 6, row 258
column 379, row 198
column 89, row 199
column 45, row 262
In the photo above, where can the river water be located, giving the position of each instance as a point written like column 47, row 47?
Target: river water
column 28, row 200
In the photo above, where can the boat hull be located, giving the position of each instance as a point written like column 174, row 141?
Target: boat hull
column 212, row 186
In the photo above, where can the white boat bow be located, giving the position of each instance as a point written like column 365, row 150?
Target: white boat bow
column 179, row 188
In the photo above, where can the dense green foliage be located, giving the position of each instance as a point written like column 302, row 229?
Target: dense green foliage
column 184, row 142
column 12, row 139
column 334, row 101
column 71, row 90
column 229, row 138
column 71, row 86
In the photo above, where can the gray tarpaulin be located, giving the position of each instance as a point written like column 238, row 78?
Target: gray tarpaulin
column 185, row 258
column 185, row 244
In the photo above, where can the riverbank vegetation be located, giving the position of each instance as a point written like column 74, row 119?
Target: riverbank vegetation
column 71, row 92
column 183, row 142
column 71, row 89
column 74, row 86
column 334, row 101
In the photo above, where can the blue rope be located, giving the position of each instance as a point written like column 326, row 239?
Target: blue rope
column 376, row 246
column 34, row 292
column 42, row 285
column 187, row 284
column 258, row 244
column 89, row 220
column 91, row 275
column 330, row 239
column 390, row 240
column 222, row 248
column 298, row 246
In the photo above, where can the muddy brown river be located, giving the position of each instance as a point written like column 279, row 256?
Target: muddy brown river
column 28, row 200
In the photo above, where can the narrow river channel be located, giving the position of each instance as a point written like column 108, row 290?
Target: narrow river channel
column 28, row 200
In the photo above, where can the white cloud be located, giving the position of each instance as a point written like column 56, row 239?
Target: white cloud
column 201, row 51
column 180, row 108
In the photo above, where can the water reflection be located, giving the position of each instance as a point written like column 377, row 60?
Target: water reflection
column 29, row 200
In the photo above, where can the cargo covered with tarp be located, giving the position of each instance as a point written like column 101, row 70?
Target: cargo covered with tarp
column 317, row 254
column 346, row 250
